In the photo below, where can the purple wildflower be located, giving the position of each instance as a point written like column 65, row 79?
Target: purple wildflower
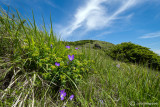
column 62, row 94
column 68, row 47
column 51, row 46
column 71, row 97
column 71, row 57
column 76, row 48
column 118, row 65
column 57, row 64
column 101, row 101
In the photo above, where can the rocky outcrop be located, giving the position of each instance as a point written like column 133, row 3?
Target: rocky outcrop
column 97, row 46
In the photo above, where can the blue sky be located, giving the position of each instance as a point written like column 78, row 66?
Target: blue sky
column 114, row 21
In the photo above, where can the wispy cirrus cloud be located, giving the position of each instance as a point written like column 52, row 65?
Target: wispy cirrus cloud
column 96, row 15
column 102, row 35
column 50, row 3
column 151, row 35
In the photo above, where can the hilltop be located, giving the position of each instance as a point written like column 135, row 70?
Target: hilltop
column 91, row 43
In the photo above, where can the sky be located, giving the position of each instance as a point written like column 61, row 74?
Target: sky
column 114, row 21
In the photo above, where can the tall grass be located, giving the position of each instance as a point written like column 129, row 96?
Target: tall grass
column 32, row 58
column 120, row 86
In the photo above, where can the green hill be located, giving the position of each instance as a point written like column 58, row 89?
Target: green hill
column 126, row 52
column 90, row 43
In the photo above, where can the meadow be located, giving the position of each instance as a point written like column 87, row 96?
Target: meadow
column 37, row 69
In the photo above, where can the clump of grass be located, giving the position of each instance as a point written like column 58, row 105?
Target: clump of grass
column 119, row 84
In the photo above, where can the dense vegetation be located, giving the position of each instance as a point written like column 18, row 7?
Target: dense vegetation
column 36, row 67
column 38, row 54
column 129, row 52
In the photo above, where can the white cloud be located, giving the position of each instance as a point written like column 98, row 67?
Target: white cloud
column 94, row 15
column 151, row 35
column 130, row 16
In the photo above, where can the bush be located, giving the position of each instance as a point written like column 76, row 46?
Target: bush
column 54, row 65
column 129, row 52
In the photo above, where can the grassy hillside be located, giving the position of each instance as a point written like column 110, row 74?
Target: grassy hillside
column 36, row 67
column 91, row 43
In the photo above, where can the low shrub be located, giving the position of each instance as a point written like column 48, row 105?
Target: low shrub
column 62, row 67
column 129, row 52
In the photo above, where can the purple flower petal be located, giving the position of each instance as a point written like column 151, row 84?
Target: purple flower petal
column 76, row 48
column 62, row 94
column 51, row 46
column 61, row 91
column 71, row 57
column 57, row 64
column 71, row 97
column 62, row 98
column 68, row 47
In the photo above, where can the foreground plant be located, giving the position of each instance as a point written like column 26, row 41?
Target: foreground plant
column 40, row 60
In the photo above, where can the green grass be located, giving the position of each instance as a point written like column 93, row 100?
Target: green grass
column 27, row 60
column 90, row 43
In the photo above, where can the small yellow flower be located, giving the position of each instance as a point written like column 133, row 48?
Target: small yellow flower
column 95, row 72
column 58, row 59
column 40, row 64
column 74, row 68
column 82, row 69
column 62, row 77
column 42, row 60
column 85, row 63
column 53, row 56
column 65, row 66
column 35, row 54
column 62, row 63
column 46, row 59
column 74, row 71
column 77, row 70
column 47, row 49
column 53, row 67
